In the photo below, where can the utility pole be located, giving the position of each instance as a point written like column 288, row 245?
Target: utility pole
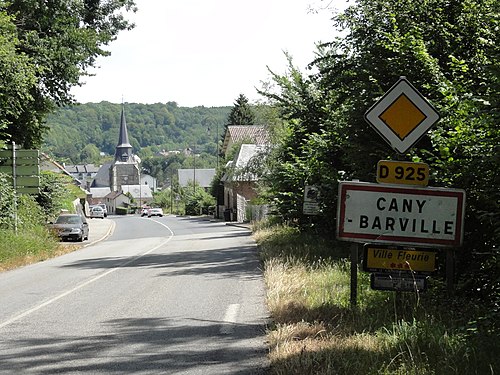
column 194, row 172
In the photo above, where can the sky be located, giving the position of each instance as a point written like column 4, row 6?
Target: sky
column 207, row 52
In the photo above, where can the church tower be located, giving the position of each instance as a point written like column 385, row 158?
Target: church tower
column 124, row 170
column 123, row 151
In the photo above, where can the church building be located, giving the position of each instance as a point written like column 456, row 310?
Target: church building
column 125, row 169
column 121, row 176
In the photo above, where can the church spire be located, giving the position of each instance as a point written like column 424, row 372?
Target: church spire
column 123, row 151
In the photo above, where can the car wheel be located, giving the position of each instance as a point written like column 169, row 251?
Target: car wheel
column 80, row 239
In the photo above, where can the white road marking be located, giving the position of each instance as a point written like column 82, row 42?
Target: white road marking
column 46, row 303
column 230, row 319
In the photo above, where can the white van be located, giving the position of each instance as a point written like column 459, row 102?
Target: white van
column 103, row 206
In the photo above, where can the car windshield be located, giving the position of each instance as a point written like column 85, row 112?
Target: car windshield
column 68, row 220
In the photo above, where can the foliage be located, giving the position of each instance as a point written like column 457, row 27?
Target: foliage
column 17, row 79
column 197, row 200
column 449, row 51
column 316, row 331
column 30, row 214
column 51, row 45
column 23, row 233
column 153, row 130
column 6, row 202
column 26, row 246
column 121, row 210
column 241, row 113
column 55, row 194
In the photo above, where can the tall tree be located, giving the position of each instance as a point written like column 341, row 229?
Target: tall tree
column 17, row 78
column 241, row 113
column 62, row 40
column 449, row 51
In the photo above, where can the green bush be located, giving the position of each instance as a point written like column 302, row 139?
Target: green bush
column 6, row 202
column 198, row 201
column 121, row 210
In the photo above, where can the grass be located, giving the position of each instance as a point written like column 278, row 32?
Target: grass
column 28, row 246
column 314, row 330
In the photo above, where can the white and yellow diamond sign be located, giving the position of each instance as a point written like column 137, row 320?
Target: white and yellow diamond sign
column 402, row 116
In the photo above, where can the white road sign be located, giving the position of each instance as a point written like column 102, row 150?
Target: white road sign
column 402, row 116
column 311, row 200
column 400, row 215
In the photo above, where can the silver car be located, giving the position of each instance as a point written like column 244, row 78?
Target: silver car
column 71, row 227
column 104, row 208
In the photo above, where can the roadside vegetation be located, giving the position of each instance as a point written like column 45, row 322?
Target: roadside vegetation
column 24, row 235
column 449, row 51
column 314, row 330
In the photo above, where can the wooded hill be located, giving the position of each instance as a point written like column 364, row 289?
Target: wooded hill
column 78, row 132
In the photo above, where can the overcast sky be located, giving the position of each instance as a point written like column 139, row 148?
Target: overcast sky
column 207, row 52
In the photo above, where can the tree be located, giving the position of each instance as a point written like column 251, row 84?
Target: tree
column 90, row 154
column 449, row 51
column 17, row 78
column 58, row 41
column 241, row 113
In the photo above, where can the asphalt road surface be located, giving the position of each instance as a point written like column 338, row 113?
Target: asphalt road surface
column 166, row 295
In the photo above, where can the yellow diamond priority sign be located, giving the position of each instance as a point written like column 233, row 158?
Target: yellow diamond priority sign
column 402, row 116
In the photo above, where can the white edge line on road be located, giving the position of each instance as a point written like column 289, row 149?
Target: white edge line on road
column 80, row 286
column 230, row 319
column 110, row 231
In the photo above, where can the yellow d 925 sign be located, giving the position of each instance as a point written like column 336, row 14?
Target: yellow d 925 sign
column 400, row 172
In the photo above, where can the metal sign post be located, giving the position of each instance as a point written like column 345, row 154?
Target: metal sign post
column 14, row 179
column 400, row 209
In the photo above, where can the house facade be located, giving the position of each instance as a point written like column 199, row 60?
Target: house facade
column 240, row 186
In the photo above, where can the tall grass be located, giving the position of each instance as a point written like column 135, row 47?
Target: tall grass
column 26, row 246
column 29, row 240
column 315, row 331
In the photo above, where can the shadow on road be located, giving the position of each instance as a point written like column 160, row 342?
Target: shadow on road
column 146, row 346
column 228, row 262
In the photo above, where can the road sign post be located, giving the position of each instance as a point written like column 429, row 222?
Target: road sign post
column 24, row 168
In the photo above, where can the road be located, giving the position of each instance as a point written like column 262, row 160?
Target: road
column 166, row 295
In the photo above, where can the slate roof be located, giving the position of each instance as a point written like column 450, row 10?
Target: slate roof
column 123, row 150
column 99, row 192
column 256, row 134
column 203, row 177
column 242, row 159
column 101, row 179
column 82, row 168
column 138, row 191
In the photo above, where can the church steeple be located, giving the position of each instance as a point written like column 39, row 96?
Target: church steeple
column 123, row 152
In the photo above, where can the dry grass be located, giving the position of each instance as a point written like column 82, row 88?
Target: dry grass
column 24, row 260
column 315, row 331
column 24, row 248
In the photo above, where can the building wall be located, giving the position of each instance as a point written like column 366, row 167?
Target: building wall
column 123, row 174
column 244, row 189
column 119, row 201
column 150, row 181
